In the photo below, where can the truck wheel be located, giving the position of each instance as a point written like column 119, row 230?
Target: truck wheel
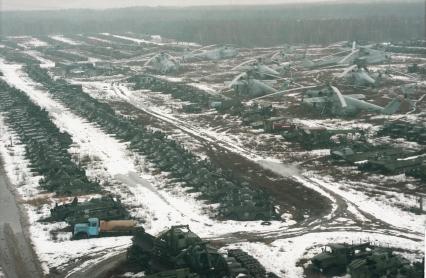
column 81, row 236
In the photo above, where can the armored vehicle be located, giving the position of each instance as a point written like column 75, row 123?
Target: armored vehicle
column 177, row 248
column 317, row 137
column 358, row 151
column 383, row 263
column 178, row 252
column 392, row 166
column 418, row 172
column 335, row 257
column 106, row 208
column 191, row 108
column 401, row 129
column 415, row 68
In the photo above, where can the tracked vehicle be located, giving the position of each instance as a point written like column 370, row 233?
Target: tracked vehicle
column 178, row 252
column 106, row 208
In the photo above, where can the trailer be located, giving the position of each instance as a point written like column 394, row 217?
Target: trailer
column 104, row 228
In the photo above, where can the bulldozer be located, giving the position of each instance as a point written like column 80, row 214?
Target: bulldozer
column 176, row 248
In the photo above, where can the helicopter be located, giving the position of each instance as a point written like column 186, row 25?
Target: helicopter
column 246, row 84
column 219, row 53
column 366, row 54
column 258, row 69
column 330, row 100
column 163, row 63
column 359, row 75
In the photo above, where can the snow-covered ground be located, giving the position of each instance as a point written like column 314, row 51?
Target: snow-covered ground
column 134, row 39
column 52, row 253
column 157, row 204
column 157, row 207
column 44, row 63
column 31, row 42
column 98, row 39
column 382, row 209
column 385, row 211
column 65, row 40
column 287, row 252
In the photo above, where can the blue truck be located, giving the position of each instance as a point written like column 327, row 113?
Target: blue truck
column 104, row 228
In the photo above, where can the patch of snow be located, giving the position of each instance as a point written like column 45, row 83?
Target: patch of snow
column 65, row 40
column 156, row 38
column 203, row 87
column 170, row 78
column 44, row 63
column 286, row 253
column 381, row 210
column 35, row 42
column 99, row 39
column 139, row 41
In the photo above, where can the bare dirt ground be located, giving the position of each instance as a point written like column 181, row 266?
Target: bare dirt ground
column 17, row 257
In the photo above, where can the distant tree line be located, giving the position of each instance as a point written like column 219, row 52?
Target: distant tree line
column 244, row 26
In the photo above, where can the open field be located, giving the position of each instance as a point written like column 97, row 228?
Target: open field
column 87, row 95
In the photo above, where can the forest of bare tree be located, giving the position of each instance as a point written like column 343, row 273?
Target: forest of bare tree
column 245, row 26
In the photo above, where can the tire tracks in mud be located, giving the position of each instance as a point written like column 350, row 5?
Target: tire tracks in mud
column 283, row 187
column 363, row 221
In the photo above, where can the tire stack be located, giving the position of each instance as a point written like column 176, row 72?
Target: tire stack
column 251, row 265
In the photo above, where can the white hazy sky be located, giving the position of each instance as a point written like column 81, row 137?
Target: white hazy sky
column 105, row 4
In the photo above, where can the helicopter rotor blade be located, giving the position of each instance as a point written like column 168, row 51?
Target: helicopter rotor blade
column 353, row 52
column 235, row 80
column 404, row 74
column 244, row 63
column 202, row 48
column 275, row 54
column 340, row 96
column 149, row 60
column 346, row 71
column 285, row 91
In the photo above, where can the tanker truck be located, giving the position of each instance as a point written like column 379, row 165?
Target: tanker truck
column 104, row 228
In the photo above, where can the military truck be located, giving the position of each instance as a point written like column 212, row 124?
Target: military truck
column 104, row 228
column 191, row 108
column 356, row 152
column 257, row 113
column 278, row 125
column 416, row 68
column 317, row 137
column 383, row 263
column 418, row 172
column 402, row 129
column 335, row 257
column 392, row 166
column 364, row 261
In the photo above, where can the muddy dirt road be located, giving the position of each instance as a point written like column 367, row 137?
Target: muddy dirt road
column 17, row 259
